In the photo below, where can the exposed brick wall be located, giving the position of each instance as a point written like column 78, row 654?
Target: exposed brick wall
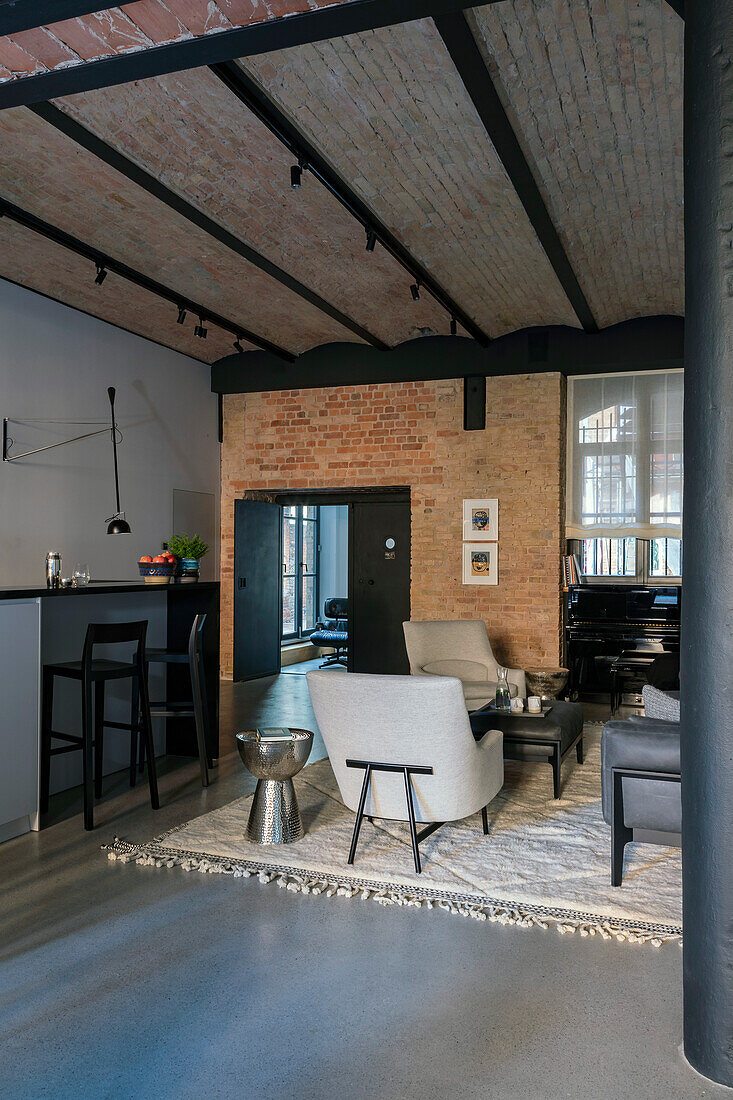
column 192, row 133
column 412, row 434
column 391, row 113
column 594, row 92
column 47, row 174
column 133, row 27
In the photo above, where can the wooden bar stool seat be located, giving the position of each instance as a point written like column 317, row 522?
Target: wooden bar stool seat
column 93, row 673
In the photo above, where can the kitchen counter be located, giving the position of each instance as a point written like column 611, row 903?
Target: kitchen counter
column 96, row 588
column 40, row 625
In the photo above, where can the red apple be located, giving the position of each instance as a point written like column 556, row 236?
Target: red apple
column 160, row 560
column 171, row 557
column 145, row 559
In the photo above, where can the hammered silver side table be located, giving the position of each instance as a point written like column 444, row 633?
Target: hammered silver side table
column 273, row 760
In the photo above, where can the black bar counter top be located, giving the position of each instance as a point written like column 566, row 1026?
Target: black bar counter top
column 99, row 588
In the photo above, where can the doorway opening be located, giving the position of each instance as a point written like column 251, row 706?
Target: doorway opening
column 309, row 562
column 315, row 582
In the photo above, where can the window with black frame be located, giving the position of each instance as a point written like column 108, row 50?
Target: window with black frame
column 299, row 570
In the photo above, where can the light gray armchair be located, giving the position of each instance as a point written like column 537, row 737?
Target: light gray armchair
column 401, row 748
column 459, row 648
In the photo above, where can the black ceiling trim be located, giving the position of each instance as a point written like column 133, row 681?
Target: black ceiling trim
column 346, row 17
column 466, row 55
column 678, row 6
column 249, row 92
column 645, row 343
column 126, row 167
column 101, row 259
column 23, row 15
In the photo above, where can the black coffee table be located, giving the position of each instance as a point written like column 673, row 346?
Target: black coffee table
column 545, row 739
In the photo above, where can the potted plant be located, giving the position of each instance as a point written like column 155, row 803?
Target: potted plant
column 189, row 549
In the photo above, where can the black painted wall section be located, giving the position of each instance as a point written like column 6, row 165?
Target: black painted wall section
column 707, row 609
column 648, row 343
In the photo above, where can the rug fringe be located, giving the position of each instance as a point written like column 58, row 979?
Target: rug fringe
column 497, row 912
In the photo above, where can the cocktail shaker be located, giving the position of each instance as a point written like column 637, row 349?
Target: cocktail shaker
column 53, row 569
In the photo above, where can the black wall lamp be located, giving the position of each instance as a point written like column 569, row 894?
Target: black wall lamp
column 116, row 524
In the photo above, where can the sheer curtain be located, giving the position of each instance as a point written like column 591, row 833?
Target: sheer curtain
column 624, row 461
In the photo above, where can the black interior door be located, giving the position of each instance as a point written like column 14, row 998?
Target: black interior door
column 379, row 586
column 257, row 588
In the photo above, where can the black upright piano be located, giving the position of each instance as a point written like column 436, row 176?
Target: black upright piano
column 602, row 621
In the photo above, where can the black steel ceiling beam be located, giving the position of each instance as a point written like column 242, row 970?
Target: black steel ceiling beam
column 22, row 15
column 106, row 262
column 122, row 164
column 466, row 55
column 258, row 102
column 346, row 17
column 646, row 343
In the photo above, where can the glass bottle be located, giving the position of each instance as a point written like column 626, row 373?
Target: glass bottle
column 503, row 698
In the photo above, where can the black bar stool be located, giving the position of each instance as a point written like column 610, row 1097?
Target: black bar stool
column 196, row 708
column 97, row 671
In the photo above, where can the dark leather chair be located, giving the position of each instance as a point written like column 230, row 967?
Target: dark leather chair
column 640, row 781
column 333, row 631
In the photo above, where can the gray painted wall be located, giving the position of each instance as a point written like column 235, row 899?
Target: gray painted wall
column 56, row 362
column 334, row 557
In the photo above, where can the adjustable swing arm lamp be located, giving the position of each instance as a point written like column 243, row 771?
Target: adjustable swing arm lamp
column 116, row 524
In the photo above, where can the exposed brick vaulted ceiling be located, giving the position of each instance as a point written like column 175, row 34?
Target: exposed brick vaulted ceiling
column 592, row 88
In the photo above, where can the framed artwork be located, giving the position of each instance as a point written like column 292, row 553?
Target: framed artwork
column 481, row 520
column 480, row 563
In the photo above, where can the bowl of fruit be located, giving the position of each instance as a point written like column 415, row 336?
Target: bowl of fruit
column 157, row 570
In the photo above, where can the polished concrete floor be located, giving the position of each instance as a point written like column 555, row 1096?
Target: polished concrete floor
column 120, row 981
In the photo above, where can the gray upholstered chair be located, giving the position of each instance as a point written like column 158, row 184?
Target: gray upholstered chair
column 640, row 760
column 401, row 748
column 459, row 648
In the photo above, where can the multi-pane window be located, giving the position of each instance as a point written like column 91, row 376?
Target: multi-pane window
column 608, row 557
column 300, row 570
column 665, row 558
column 625, row 476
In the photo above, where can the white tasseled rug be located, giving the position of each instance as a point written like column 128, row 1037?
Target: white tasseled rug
column 544, row 862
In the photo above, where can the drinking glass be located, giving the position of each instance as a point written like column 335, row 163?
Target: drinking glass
column 81, row 574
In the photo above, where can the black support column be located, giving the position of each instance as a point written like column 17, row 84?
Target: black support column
column 707, row 603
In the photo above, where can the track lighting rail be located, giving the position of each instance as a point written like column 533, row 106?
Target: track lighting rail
column 106, row 264
column 254, row 98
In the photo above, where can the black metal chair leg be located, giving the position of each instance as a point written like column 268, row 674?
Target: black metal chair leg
column 87, row 750
column 360, row 813
column 579, row 751
column 134, row 732
column 98, row 737
column 413, row 829
column 199, row 715
column 556, row 770
column 620, row 834
column 485, row 820
column 46, row 727
column 141, row 757
column 147, row 730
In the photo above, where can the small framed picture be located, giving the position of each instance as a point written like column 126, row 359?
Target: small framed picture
column 480, row 563
column 481, row 520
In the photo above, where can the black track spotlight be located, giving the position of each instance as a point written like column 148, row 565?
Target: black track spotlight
column 453, row 326
column 238, row 347
column 181, row 315
column 296, row 173
column 199, row 330
column 371, row 240
column 101, row 275
column 415, row 292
